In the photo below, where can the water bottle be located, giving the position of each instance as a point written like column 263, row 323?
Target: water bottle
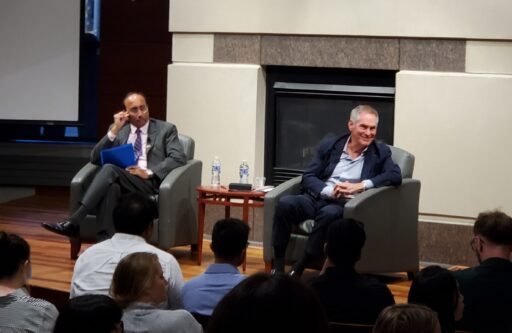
column 216, row 171
column 244, row 172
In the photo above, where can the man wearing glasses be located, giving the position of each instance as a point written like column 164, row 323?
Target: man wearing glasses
column 157, row 152
column 487, row 288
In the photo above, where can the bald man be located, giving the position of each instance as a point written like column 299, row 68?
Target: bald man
column 157, row 150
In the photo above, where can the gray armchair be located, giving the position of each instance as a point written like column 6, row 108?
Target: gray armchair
column 177, row 203
column 390, row 216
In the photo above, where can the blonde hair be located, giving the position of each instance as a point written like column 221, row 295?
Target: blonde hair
column 133, row 275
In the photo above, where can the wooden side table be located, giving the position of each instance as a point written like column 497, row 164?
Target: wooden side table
column 221, row 196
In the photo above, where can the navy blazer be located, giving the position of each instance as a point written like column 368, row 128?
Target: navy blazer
column 378, row 166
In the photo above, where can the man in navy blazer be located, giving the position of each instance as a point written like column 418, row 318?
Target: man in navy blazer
column 341, row 168
column 157, row 149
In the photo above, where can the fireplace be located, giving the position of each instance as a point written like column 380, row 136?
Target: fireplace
column 306, row 105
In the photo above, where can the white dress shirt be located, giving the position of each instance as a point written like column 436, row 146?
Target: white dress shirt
column 143, row 158
column 95, row 267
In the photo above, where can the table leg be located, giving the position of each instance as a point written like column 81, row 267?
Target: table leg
column 200, row 227
column 227, row 209
column 245, row 217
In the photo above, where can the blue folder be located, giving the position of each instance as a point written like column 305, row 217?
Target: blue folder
column 123, row 156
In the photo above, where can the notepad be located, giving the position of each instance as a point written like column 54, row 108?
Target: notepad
column 123, row 156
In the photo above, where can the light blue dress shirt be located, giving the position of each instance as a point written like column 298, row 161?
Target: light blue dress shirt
column 202, row 293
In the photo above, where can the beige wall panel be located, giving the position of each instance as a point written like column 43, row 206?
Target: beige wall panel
column 489, row 57
column 424, row 18
column 222, row 107
column 458, row 126
column 192, row 47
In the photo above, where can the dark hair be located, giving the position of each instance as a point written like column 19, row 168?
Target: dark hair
column 134, row 92
column 437, row 288
column 229, row 238
column 14, row 252
column 269, row 303
column 89, row 313
column 406, row 318
column 345, row 240
column 134, row 213
column 495, row 226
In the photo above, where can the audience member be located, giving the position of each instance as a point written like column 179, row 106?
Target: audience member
column 346, row 295
column 407, row 318
column 18, row 311
column 139, row 286
column 90, row 313
column 269, row 303
column 201, row 294
column 437, row 288
column 487, row 288
column 133, row 219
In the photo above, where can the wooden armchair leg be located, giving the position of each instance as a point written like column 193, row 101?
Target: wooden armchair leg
column 76, row 244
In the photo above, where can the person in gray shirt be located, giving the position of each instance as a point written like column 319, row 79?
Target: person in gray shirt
column 139, row 286
column 19, row 312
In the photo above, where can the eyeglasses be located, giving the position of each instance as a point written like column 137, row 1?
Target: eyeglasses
column 136, row 109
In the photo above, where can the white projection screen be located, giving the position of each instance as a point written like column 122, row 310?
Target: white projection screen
column 39, row 59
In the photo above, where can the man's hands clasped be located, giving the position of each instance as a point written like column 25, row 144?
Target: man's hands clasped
column 347, row 190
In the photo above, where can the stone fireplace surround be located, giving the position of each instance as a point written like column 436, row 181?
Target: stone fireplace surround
column 441, row 243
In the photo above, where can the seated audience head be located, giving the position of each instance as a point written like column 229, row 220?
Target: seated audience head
column 134, row 214
column 90, row 313
column 437, row 288
column 139, row 278
column 492, row 235
column 345, row 241
column 15, row 269
column 229, row 241
column 407, row 318
column 269, row 303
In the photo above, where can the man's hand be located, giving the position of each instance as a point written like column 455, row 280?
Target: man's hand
column 138, row 171
column 120, row 119
column 347, row 190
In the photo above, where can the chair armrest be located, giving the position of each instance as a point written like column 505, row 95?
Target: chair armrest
column 390, row 217
column 289, row 187
column 177, row 201
column 79, row 184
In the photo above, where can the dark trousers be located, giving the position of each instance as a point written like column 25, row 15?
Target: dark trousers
column 294, row 209
column 107, row 186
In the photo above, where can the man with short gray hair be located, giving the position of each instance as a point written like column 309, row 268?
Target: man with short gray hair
column 341, row 168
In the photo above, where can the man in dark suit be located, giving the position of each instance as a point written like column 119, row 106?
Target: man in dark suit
column 157, row 150
column 487, row 288
column 341, row 168
column 347, row 296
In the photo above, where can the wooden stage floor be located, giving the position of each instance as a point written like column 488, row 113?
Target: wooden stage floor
column 52, row 268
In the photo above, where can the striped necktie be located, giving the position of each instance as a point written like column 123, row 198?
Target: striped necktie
column 137, row 146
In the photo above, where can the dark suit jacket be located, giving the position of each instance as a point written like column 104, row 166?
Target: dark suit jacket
column 487, row 291
column 378, row 166
column 164, row 150
column 350, row 297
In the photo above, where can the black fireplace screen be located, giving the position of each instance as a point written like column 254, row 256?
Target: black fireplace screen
column 304, row 114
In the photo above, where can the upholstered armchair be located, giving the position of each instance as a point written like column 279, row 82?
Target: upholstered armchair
column 177, row 203
column 389, row 214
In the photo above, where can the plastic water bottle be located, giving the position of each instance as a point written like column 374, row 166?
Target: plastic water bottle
column 216, row 171
column 244, row 172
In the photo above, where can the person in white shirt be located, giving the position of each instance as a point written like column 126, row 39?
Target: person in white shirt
column 133, row 219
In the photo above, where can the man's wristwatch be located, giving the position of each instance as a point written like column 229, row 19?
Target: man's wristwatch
column 150, row 173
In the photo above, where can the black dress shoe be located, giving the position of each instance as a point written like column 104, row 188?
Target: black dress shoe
column 65, row 228
column 295, row 274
